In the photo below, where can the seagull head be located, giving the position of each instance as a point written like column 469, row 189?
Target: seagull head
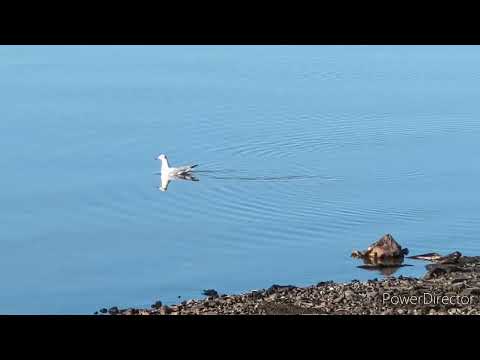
column 162, row 157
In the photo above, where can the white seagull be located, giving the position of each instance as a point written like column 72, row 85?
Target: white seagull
column 174, row 171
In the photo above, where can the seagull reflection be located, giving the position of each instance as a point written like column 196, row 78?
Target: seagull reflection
column 165, row 179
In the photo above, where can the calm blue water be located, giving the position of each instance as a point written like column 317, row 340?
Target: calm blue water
column 309, row 152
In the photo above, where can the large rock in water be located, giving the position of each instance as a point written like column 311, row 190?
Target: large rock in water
column 384, row 248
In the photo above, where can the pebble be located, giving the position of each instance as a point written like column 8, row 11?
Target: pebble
column 157, row 305
column 339, row 299
column 165, row 310
column 113, row 310
column 210, row 292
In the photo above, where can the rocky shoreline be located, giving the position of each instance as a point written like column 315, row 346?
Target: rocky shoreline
column 446, row 289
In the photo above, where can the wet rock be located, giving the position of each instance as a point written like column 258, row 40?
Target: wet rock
column 255, row 295
column 210, row 292
column 427, row 257
column 209, row 303
column 276, row 288
column 165, row 310
column 457, row 285
column 435, row 270
column 339, row 299
column 385, row 266
column 157, row 305
column 459, row 279
column 103, row 311
column 450, row 258
column 113, row 310
column 385, row 247
column 471, row 291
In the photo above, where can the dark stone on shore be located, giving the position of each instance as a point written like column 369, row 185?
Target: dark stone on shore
column 210, row 292
column 157, row 305
column 428, row 257
column 165, row 310
column 450, row 258
column 435, row 270
column 255, row 294
column 471, row 291
column 103, row 310
column 113, row 310
column 209, row 303
column 95, row 313
column 129, row 311
column 275, row 288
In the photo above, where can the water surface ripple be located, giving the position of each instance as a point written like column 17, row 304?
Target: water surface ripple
column 305, row 153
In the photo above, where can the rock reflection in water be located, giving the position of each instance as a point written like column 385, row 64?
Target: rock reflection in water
column 386, row 267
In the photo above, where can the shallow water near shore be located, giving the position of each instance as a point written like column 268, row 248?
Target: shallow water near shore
column 305, row 153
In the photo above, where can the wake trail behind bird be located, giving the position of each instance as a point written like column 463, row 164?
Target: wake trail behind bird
column 265, row 178
column 242, row 175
